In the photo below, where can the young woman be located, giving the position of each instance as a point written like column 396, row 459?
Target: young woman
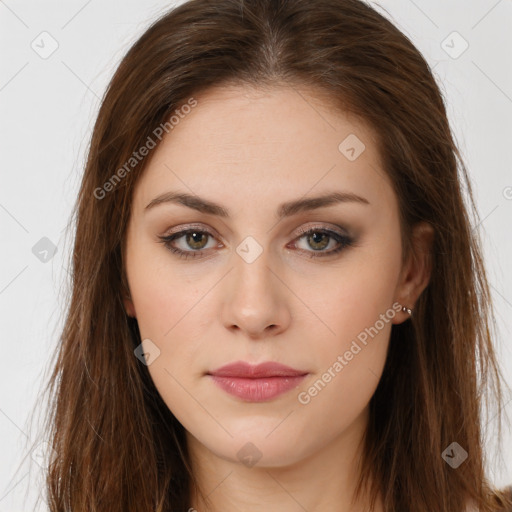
column 278, row 299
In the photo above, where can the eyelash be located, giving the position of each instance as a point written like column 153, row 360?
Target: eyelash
column 344, row 241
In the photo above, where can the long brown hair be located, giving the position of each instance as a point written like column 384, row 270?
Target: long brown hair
column 117, row 446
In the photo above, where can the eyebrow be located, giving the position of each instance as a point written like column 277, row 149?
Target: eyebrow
column 286, row 209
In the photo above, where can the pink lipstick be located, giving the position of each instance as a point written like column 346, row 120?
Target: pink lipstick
column 256, row 383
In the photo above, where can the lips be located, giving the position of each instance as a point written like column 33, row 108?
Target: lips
column 245, row 370
column 258, row 383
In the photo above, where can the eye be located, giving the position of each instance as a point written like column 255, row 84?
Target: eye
column 318, row 239
column 196, row 239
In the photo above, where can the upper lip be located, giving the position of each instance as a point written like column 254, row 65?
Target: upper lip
column 266, row 369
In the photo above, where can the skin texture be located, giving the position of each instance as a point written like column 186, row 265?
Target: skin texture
column 250, row 150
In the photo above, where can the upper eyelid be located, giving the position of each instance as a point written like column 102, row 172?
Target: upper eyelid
column 191, row 227
column 301, row 230
column 330, row 228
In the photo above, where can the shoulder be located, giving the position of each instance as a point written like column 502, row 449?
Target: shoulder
column 502, row 499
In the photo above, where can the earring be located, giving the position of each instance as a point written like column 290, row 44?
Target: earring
column 407, row 310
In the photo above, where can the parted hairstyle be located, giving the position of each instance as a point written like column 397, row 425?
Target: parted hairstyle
column 117, row 446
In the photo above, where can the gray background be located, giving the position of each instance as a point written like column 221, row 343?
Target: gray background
column 47, row 107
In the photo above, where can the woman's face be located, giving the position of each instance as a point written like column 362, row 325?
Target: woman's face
column 247, row 283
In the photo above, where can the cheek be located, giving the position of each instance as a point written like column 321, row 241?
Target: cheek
column 358, row 309
column 349, row 363
column 168, row 308
column 351, row 297
column 159, row 293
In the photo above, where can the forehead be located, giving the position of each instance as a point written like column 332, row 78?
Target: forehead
column 263, row 141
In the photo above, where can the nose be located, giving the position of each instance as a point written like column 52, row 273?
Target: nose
column 257, row 301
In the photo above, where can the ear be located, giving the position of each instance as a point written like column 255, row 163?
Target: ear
column 125, row 292
column 415, row 274
column 129, row 307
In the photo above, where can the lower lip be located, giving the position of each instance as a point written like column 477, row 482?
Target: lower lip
column 257, row 390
